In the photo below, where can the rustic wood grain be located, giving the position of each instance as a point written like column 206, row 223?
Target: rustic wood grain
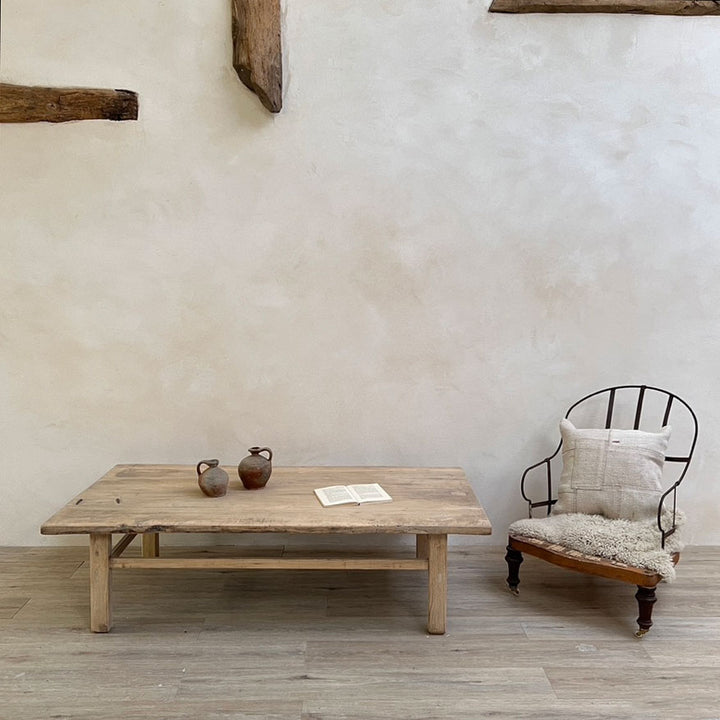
column 122, row 544
column 421, row 546
column 270, row 564
column 100, row 583
column 643, row 7
column 150, row 545
column 25, row 103
column 257, row 49
column 437, row 584
column 166, row 498
column 150, row 499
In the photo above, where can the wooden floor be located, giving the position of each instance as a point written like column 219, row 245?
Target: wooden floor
column 312, row 645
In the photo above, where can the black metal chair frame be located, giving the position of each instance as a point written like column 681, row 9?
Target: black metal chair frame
column 645, row 580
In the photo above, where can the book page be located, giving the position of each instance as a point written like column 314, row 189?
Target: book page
column 370, row 493
column 335, row 495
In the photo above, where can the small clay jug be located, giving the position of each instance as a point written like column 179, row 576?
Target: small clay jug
column 213, row 481
column 255, row 469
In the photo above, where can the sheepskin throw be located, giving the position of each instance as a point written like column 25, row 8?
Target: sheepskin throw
column 634, row 543
column 614, row 473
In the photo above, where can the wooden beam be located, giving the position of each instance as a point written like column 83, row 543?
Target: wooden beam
column 269, row 563
column 437, row 584
column 100, row 583
column 118, row 550
column 642, row 7
column 257, row 49
column 25, row 103
column 150, row 545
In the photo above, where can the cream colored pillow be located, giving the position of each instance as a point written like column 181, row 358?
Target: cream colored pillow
column 614, row 473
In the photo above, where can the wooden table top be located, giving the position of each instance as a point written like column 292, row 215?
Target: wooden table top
column 166, row 498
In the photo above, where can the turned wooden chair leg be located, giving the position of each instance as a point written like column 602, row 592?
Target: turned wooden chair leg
column 513, row 558
column 646, row 599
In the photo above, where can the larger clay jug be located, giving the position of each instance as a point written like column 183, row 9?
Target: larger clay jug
column 255, row 469
column 213, row 481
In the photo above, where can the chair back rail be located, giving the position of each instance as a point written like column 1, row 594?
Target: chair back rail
column 672, row 402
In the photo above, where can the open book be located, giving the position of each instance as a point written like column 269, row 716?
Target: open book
column 345, row 494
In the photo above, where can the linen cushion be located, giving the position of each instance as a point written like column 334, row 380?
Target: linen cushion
column 613, row 473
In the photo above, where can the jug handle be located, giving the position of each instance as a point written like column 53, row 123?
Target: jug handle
column 209, row 463
column 268, row 451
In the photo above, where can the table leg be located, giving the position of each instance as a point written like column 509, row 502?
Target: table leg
column 150, row 545
column 100, row 582
column 437, row 584
column 421, row 546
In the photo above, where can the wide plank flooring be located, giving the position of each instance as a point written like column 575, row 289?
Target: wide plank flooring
column 315, row 645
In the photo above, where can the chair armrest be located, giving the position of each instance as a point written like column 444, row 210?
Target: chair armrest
column 550, row 500
column 661, row 505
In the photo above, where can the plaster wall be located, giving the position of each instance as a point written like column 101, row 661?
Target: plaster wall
column 459, row 224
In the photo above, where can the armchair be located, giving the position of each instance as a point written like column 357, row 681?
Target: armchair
column 613, row 511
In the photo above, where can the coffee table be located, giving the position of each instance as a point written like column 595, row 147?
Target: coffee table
column 147, row 500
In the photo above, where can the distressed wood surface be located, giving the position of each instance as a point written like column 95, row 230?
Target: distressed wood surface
column 150, row 545
column 421, row 546
column 281, row 563
column 25, row 103
column 166, row 498
column 100, row 583
column 122, row 544
column 644, row 7
column 149, row 499
column 257, row 49
column 437, row 584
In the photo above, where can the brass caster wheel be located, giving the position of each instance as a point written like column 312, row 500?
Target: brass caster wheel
column 640, row 633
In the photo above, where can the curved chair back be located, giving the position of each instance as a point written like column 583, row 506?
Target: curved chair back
column 637, row 407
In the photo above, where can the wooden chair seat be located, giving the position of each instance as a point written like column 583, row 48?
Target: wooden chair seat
column 589, row 564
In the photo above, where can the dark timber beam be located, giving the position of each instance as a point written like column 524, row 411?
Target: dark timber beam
column 643, row 7
column 25, row 103
column 257, row 49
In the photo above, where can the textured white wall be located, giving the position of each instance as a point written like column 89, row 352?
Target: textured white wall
column 458, row 224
